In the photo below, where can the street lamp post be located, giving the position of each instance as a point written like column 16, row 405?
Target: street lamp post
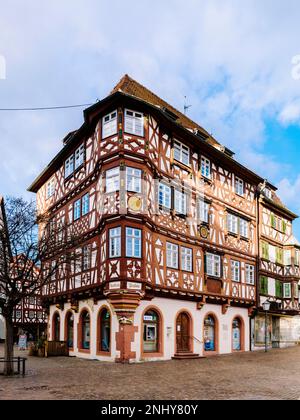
column 266, row 307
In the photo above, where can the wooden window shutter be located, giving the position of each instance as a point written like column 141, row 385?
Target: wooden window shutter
column 279, row 289
column 273, row 221
column 264, row 285
column 284, row 226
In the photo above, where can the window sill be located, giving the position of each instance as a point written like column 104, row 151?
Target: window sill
column 243, row 238
column 138, row 136
column 207, row 180
column 234, row 235
column 205, row 224
column 182, row 216
column 103, row 353
column 164, row 208
column 134, row 258
column 85, row 351
column 108, row 137
column 182, row 165
column 209, row 277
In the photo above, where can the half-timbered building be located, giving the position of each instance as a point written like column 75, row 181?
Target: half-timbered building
column 168, row 222
column 279, row 273
column 28, row 315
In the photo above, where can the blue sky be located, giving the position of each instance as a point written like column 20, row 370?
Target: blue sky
column 232, row 59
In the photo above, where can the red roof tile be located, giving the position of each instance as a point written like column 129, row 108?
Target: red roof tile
column 133, row 88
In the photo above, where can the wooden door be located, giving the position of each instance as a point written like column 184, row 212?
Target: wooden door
column 183, row 333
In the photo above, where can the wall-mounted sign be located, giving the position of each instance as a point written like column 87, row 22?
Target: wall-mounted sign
column 115, row 285
column 134, row 286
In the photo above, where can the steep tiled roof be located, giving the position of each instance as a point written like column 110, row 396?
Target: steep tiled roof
column 133, row 88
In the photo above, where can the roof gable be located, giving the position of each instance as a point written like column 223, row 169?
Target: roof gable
column 131, row 87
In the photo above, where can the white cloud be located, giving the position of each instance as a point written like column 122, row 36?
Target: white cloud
column 289, row 191
column 290, row 114
column 232, row 59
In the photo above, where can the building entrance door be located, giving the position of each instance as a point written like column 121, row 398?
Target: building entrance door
column 182, row 333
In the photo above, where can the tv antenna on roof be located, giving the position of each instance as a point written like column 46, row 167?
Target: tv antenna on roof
column 186, row 107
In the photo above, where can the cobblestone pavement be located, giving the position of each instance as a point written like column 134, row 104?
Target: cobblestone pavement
column 274, row 375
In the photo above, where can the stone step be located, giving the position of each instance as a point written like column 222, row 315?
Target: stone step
column 186, row 356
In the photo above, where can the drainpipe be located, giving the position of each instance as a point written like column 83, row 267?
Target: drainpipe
column 257, row 259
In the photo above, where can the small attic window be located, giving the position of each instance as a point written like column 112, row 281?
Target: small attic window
column 268, row 193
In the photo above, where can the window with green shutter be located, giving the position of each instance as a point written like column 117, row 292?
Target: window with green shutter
column 265, row 250
column 279, row 289
column 264, row 285
column 279, row 256
column 273, row 221
column 284, row 226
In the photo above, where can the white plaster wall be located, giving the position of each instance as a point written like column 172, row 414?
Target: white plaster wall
column 94, row 311
column 169, row 309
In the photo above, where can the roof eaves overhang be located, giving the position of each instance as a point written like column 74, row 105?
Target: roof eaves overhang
column 281, row 209
column 92, row 112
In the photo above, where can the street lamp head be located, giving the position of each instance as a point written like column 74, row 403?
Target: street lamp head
column 266, row 306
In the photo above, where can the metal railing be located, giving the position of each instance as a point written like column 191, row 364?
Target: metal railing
column 18, row 362
column 196, row 339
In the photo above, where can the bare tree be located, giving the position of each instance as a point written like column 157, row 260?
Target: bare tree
column 32, row 250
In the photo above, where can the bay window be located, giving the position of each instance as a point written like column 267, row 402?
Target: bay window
column 115, row 242
column 134, row 180
column 133, row 243
column 134, row 123
column 109, row 124
column 113, row 180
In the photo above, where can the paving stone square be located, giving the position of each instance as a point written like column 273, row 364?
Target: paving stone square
column 255, row 376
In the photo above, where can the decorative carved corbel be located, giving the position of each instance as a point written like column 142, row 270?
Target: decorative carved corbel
column 225, row 307
column 123, row 320
column 201, row 304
